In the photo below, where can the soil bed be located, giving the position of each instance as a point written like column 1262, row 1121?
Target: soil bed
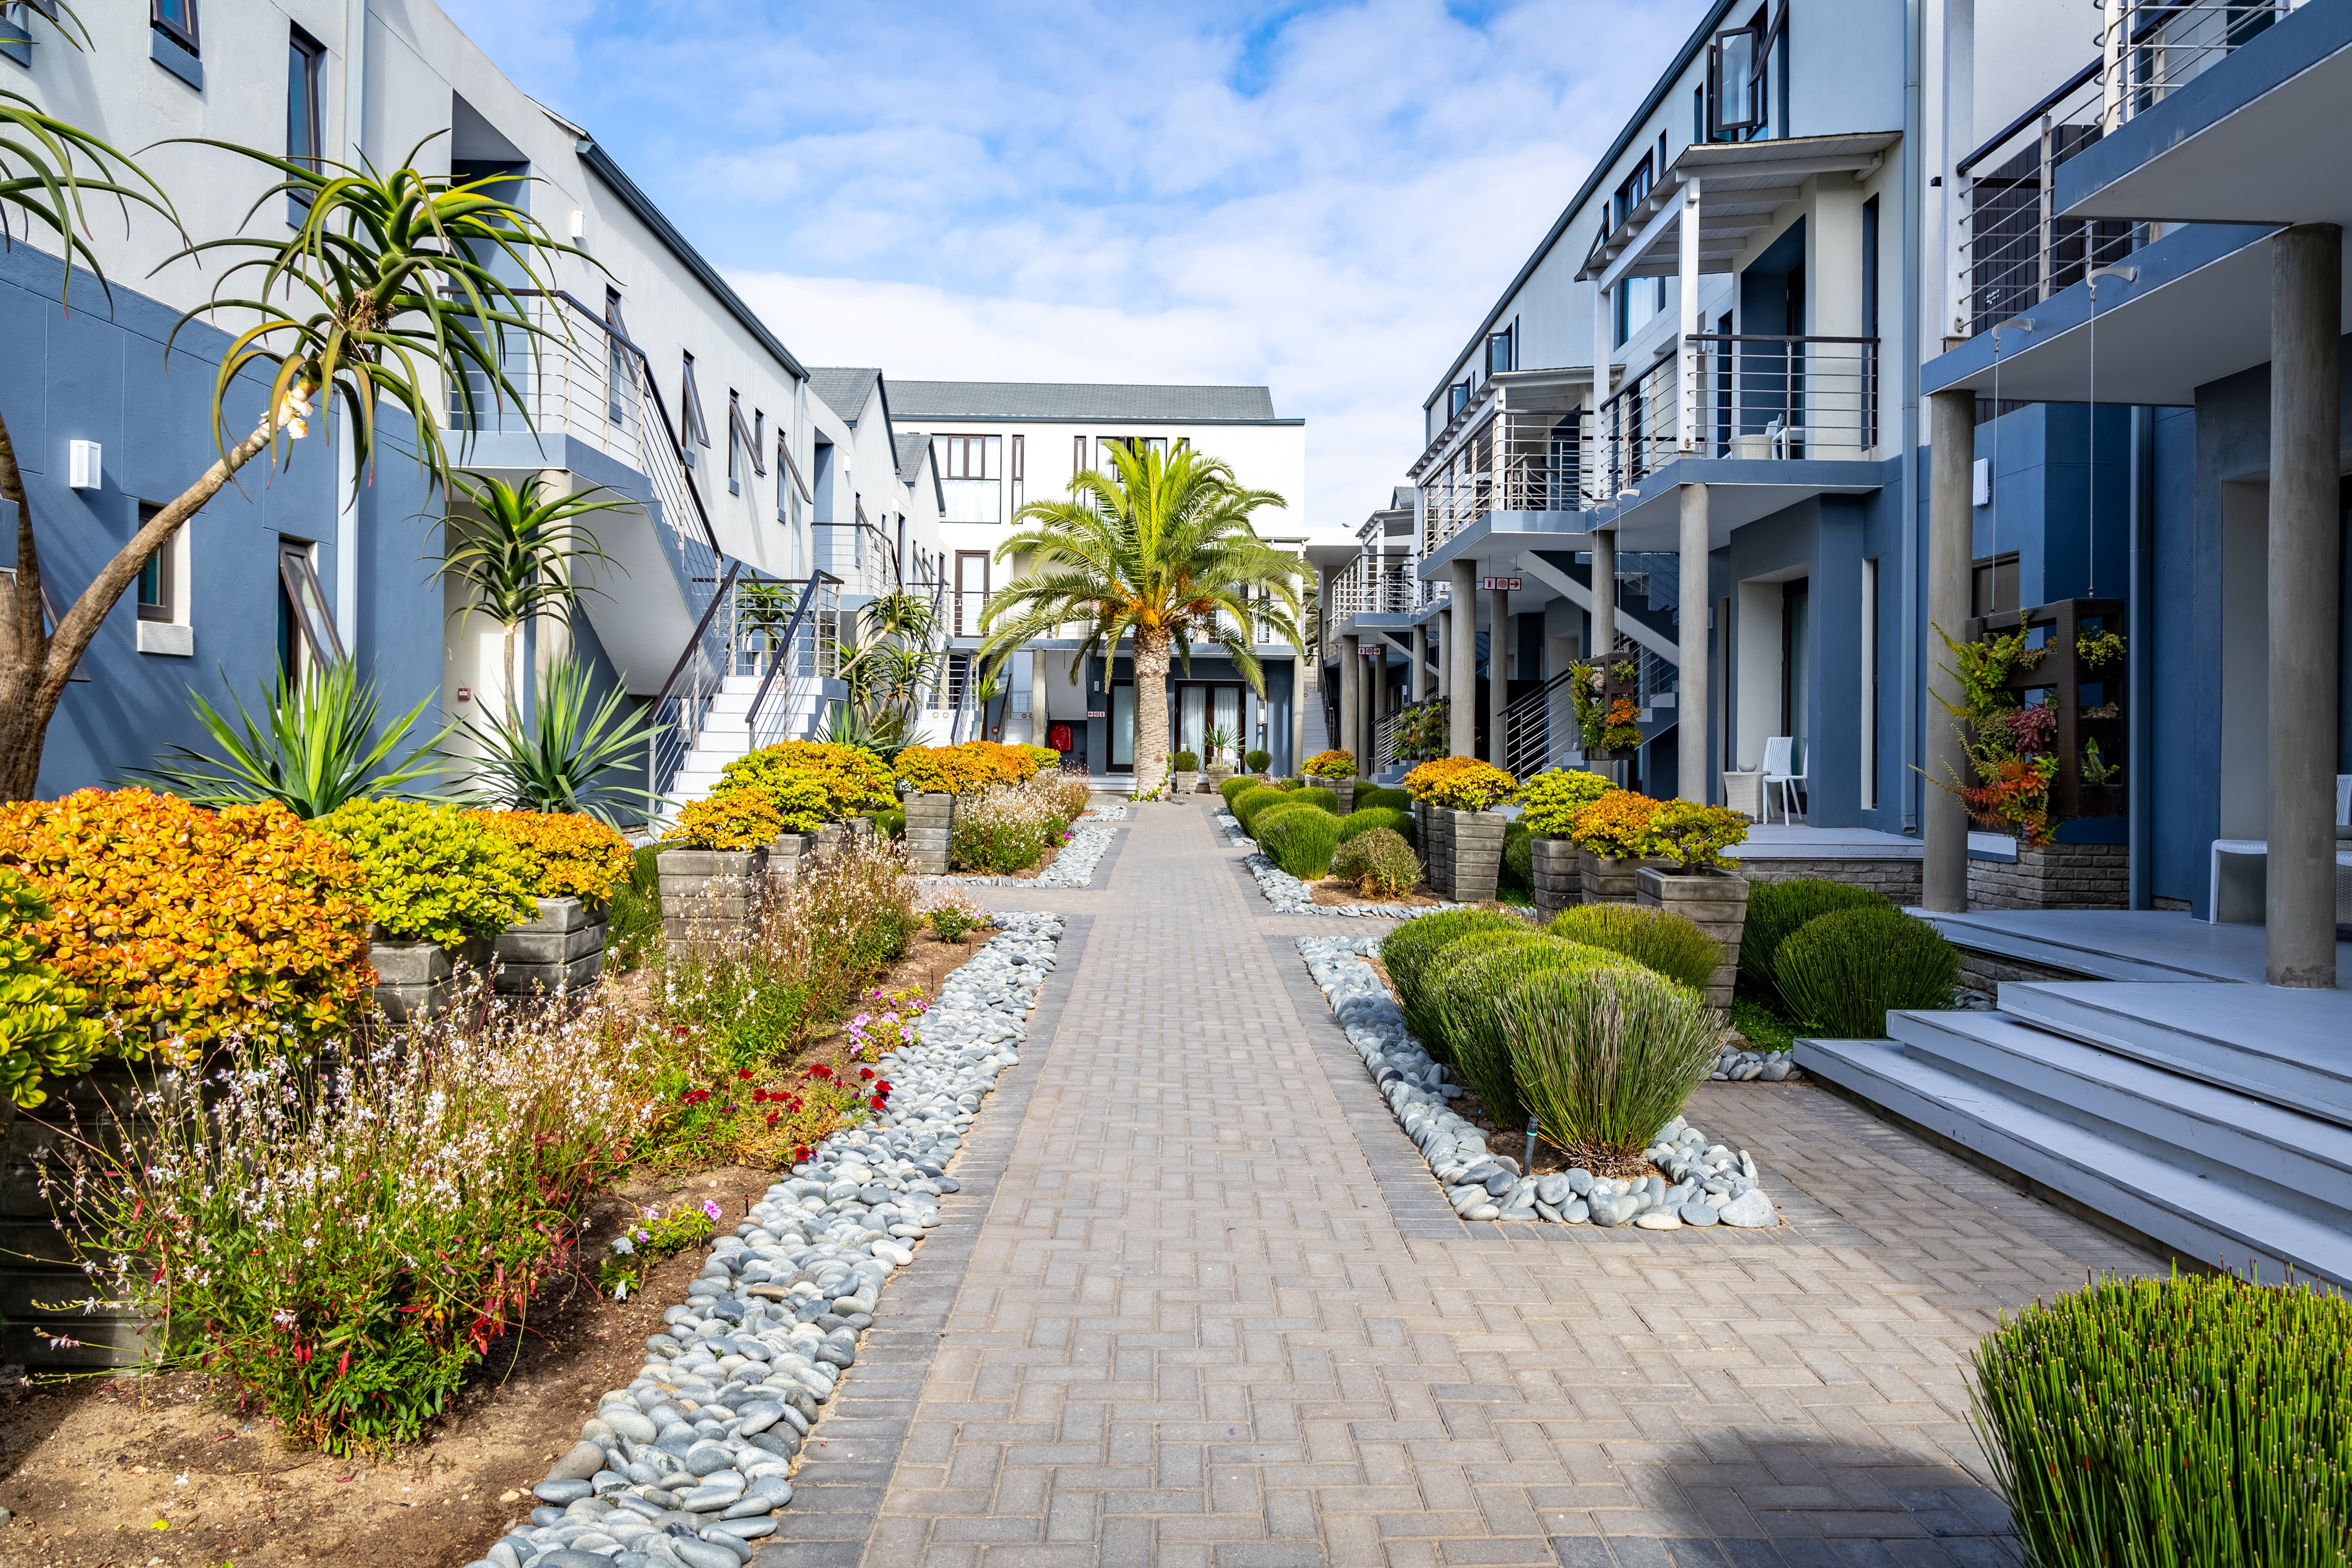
column 1334, row 894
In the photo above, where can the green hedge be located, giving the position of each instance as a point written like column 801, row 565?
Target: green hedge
column 1257, row 762
column 1185, row 763
column 1383, row 797
column 1843, row 970
column 1776, row 910
column 1300, row 840
column 1658, row 939
column 1519, row 857
column 1256, row 798
column 1235, row 787
column 2173, row 1421
column 1316, row 795
column 1363, row 819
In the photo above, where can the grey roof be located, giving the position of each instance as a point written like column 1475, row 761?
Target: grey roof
column 845, row 388
column 911, row 446
column 1400, row 498
column 1070, row 400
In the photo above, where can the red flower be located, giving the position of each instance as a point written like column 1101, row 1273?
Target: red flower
column 681, row 1031
column 772, row 1117
column 876, row 1103
column 882, row 1088
column 800, row 1153
column 744, row 1072
column 866, row 1073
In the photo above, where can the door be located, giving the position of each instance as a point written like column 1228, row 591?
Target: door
column 1122, row 727
column 970, row 591
column 1191, row 716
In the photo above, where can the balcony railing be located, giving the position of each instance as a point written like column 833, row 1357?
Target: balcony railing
column 2011, row 249
column 1517, row 461
column 1756, row 396
column 1361, row 589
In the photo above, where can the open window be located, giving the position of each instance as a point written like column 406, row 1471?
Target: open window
column 693, row 429
column 1739, row 75
column 307, row 638
column 742, row 442
column 620, row 380
column 176, row 20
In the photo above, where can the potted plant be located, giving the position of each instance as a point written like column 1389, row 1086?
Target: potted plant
column 1217, row 744
column 1608, row 711
column 439, row 886
column 1186, row 766
column 1259, row 761
column 929, row 780
column 1702, row 884
column 1463, row 832
column 1335, row 771
column 1613, row 842
column 712, row 879
column 577, row 861
column 1547, row 806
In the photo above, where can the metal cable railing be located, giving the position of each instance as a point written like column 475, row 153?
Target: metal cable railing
column 809, row 650
column 1758, row 395
column 1540, row 730
column 1516, row 460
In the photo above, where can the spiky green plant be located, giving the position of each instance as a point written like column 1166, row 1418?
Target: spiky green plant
column 313, row 747
column 1299, row 839
column 519, row 560
column 1842, row 971
column 1404, row 950
column 562, row 757
column 1605, row 1057
column 1462, row 999
column 1422, row 1016
column 2155, row 1423
column 1255, row 798
column 1326, row 799
column 1655, row 939
column 1775, row 910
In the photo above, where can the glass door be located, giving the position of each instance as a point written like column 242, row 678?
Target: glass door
column 1191, row 716
column 1122, row 727
column 1226, row 713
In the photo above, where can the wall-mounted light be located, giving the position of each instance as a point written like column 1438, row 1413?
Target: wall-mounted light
column 82, row 467
column 579, row 224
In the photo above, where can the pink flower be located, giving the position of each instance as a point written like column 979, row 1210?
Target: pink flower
column 712, row 1209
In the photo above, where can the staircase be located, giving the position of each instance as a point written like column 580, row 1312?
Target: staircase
column 2213, row 1118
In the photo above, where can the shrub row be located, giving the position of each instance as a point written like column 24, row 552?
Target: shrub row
column 1838, row 957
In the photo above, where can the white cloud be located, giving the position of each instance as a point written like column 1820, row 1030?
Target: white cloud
column 1327, row 201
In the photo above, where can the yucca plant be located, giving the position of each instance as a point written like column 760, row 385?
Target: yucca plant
column 518, row 559
column 1463, row 1003
column 1842, row 971
column 2163, row 1422
column 1406, row 949
column 1605, row 1057
column 1655, row 939
column 312, row 748
column 1776, row 910
column 558, row 758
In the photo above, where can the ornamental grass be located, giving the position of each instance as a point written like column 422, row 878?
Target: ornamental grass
column 2177, row 1421
column 1842, row 972
column 1299, row 839
column 1384, row 798
column 1463, row 1006
column 1657, row 940
column 1365, row 819
column 1775, row 913
column 1605, row 1057
column 1426, row 1016
column 1378, row 861
column 1254, row 799
column 1006, row 828
column 1311, row 796
column 1406, row 949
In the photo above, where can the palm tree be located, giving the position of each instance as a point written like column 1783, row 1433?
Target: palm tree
column 517, row 559
column 1160, row 550
column 394, row 286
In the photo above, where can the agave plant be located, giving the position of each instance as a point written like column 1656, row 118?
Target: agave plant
column 558, row 758
column 308, row 751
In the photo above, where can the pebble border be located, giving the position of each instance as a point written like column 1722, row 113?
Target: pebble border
column 1713, row 1184
column 688, row 1466
column 1288, row 895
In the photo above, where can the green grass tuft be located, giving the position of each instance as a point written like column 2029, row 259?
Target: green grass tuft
column 1841, row 972
column 1776, row 910
column 1655, row 939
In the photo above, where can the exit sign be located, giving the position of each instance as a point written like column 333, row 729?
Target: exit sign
column 1499, row 584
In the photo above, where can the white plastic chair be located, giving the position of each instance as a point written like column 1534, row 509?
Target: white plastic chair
column 1780, row 772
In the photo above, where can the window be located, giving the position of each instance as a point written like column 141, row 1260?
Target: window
column 1457, row 397
column 303, row 54
column 159, row 578
column 966, row 456
column 1502, row 350
column 1870, row 267
column 306, row 633
column 1078, row 453
column 692, row 430
column 620, row 385
column 1992, row 584
column 1739, row 74
column 1635, row 190
column 176, row 20
column 734, row 442
column 1020, row 475
column 1870, row 749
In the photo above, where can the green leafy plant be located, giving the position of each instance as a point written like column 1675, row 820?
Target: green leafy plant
column 1216, row 741
column 1365, row 819
column 1258, row 762
column 1519, row 872
column 516, row 560
column 1776, row 910
column 1460, row 784
column 952, row 921
column 564, row 756
column 1300, row 840
column 1007, row 828
column 434, row 873
column 731, row 820
column 1331, row 765
column 890, row 822
column 1606, row 723
column 1604, row 1055
column 633, row 924
column 1421, row 732
column 1694, row 836
column 1462, row 1005
column 1549, row 800
column 1842, row 972
column 1761, row 1024
column 2173, row 1421
column 1404, row 950
column 2096, row 769
column 2011, row 784
column 2099, row 648
column 46, row 1029
column 1379, row 862
column 313, row 747
column 1184, row 762
column 1658, row 939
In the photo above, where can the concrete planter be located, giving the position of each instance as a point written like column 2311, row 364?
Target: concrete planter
column 1716, row 902
column 563, row 949
column 415, row 980
column 1472, row 853
column 37, row 1261
column 709, row 894
column 831, row 840
column 1607, row 880
column 786, row 853
column 1186, row 782
column 1558, row 877
column 1344, row 788
column 929, row 819
column 2056, row 877
column 1216, row 773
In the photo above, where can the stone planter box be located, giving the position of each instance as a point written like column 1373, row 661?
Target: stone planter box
column 1559, row 875
column 1469, row 853
column 929, row 818
column 785, row 854
column 563, row 949
column 36, row 1262
column 1344, row 788
column 1607, row 880
column 1185, row 782
column 709, row 894
column 1716, row 902
column 2056, row 877
column 1216, row 773
column 415, row 980
column 831, row 840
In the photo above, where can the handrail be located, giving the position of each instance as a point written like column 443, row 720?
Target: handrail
column 776, row 658
column 700, row 626
column 2030, row 116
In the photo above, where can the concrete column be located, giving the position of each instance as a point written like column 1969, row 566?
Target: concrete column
column 1416, row 641
column 2306, row 578
column 1462, row 659
column 1943, row 821
column 1351, row 686
column 1498, row 674
column 1604, row 595
column 1693, row 701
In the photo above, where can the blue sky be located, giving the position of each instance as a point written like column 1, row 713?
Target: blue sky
column 1325, row 198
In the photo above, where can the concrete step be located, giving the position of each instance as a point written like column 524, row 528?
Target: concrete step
column 2215, row 1132
column 2193, row 1215
column 2293, row 1048
column 2088, row 961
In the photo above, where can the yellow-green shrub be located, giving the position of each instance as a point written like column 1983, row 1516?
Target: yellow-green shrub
column 572, row 856
column 1550, row 801
column 853, row 778
column 190, row 926
column 732, row 819
column 45, row 1026
column 435, row 873
column 1462, row 784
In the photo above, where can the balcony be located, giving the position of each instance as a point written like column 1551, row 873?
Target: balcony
column 1387, row 587
column 1749, row 397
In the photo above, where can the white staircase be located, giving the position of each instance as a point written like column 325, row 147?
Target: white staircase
column 725, row 735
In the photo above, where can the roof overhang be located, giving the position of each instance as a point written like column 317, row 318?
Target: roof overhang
column 1561, row 389
column 1741, row 186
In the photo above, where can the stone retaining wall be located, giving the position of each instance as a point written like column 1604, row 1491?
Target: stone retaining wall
column 2056, row 877
column 1897, row 880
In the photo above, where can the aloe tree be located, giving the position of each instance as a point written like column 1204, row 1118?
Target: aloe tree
column 1160, row 550
column 394, row 285
column 516, row 560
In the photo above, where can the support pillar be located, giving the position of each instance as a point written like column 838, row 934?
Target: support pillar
column 1351, row 686
column 1416, row 641
column 1693, row 707
column 1498, row 677
column 2305, row 580
column 1604, row 615
column 1943, row 820
column 1462, row 659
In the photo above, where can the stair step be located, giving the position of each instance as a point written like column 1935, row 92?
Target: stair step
column 2084, row 961
column 2290, row 1048
column 2199, row 1124
column 2196, row 1216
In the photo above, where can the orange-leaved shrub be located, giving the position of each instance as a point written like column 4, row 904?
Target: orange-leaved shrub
column 574, row 856
column 963, row 769
column 192, row 927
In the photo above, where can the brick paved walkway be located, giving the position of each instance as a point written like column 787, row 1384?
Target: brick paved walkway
column 1178, row 1323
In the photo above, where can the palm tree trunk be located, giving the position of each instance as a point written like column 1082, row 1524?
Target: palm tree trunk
column 1151, row 709
column 35, row 665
